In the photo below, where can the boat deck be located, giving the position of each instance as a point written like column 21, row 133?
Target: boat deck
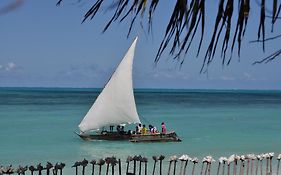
column 115, row 136
column 158, row 137
column 105, row 136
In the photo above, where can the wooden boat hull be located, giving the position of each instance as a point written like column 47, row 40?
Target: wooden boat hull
column 114, row 136
column 159, row 137
column 105, row 136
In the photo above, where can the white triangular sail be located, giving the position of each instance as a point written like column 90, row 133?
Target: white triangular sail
column 116, row 103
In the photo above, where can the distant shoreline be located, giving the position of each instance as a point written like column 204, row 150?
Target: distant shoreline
column 139, row 90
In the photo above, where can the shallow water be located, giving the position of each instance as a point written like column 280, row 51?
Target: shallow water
column 37, row 124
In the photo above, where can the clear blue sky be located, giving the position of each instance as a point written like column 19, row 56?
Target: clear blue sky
column 42, row 45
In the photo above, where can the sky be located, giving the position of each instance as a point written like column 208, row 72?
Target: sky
column 42, row 45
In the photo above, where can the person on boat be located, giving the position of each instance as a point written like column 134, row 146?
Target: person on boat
column 111, row 128
column 139, row 129
column 122, row 131
column 103, row 131
column 143, row 130
column 164, row 129
column 118, row 129
column 152, row 129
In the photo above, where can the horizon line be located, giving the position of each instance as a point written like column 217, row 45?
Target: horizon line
column 140, row 88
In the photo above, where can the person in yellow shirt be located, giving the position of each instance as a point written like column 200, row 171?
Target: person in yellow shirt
column 143, row 130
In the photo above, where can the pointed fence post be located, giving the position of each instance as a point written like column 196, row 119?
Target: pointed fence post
column 181, row 166
column 222, row 160
column 270, row 166
column 185, row 166
column 84, row 163
column 242, row 164
column 202, row 167
column 112, row 168
column 31, row 169
column 261, row 165
column 24, row 169
column 184, row 161
column 135, row 164
column 161, row 158
column 76, row 165
column 129, row 159
column 39, row 169
column 61, row 166
column 206, row 169
column 140, row 167
column 257, row 165
column 195, row 161
column 266, row 165
column 218, row 170
column 100, row 169
column 250, row 162
column 209, row 169
column 278, row 164
column 56, row 168
column 154, row 165
column 113, row 163
column 252, row 166
column 100, row 162
column 107, row 161
column 18, row 171
column 93, row 162
column 175, row 164
column 229, row 161
column 169, row 168
column 235, row 164
column 119, row 165
column 208, row 160
column 223, row 167
column 240, row 169
column 173, row 159
column 48, row 167
column 248, row 166
column 144, row 159
column 228, row 168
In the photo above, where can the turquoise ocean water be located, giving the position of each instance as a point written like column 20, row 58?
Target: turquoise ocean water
column 38, row 124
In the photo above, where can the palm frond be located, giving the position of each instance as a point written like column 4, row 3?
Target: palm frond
column 186, row 20
column 261, row 30
column 269, row 58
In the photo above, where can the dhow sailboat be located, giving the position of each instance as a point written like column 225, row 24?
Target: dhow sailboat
column 115, row 106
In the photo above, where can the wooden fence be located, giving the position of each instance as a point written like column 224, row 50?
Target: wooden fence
column 138, row 165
